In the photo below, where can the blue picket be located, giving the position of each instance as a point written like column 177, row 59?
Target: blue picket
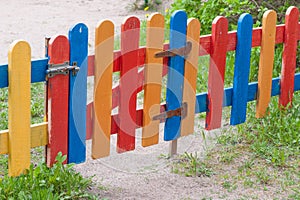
column 241, row 69
column 78, row 36
column 174, row 92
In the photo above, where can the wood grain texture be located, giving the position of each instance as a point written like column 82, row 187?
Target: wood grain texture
column 289, row 58
column 216, row 73
column 266, row 62
column 104, row 46
column 38, row 137
column 190, row 77
column 241, row 69
column 153, row 79
column 130, row 34
column 174, row 91
column 78, row 37
column 19, row 114
column 58, row 101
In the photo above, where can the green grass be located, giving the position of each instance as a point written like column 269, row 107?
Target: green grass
column 37, row 105
column 191, row 165
column 275, row 137
column 42, row 183
column 259, row 154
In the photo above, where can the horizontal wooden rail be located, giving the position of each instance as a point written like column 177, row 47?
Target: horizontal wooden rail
column 39, row 137
column 201, row 101
column 39, row 134
column 38, row 72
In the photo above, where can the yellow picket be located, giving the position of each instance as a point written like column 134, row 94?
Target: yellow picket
column 153, row 79
column 190, row 77
column 104, row 46
column 266, row 62
column 19, row 72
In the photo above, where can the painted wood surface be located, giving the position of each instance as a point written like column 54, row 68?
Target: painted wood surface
column 58, row 100
column 216, row 73
column 289, row 58
column 130, row 34
column 39, row 66
column 241, row 69
column 38, row 137
column 78, row 38
column 104, row 46
column 266, row 62
column 19, row 113
column 153, row 79
column 190, row 77
column 174, row 92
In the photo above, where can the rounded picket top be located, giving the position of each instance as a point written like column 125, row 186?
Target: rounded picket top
column 58, row 49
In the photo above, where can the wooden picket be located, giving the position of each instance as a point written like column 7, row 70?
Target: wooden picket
column 289, row 57
column 104, row 46
column 78, row 37
column 58, row 100
column 174, row 91
column 190, row 77
column 216, row 73
column 66, row 93
column 19, row 116
column 130, row 34
column 266, row 62
column 241, row 70
column 153, row 79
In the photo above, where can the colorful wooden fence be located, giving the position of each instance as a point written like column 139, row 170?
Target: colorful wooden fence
column 70, row 121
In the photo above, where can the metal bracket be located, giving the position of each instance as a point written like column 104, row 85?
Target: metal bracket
column 183, row 51
column 64, row 68
column 182, row 111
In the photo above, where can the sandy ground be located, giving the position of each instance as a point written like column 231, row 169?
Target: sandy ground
column 140, row 174
column 33, row 20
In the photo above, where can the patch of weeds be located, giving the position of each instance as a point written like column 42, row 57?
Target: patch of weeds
column 3, row 165
column 37, row 102
column 190, row 164
column 228, row 183
column 37, row 105
column 263, row 176
column 227, row 155
column 41, row 182
column 229, row 139
column 164, row 156
column 275, row 137
column 248, row 182
column 146, row 4
column 296, row 194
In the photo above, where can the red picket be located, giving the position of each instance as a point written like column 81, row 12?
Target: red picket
column 289, row 57
column 58, row 100
column 130, row 33
column 216, row 72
